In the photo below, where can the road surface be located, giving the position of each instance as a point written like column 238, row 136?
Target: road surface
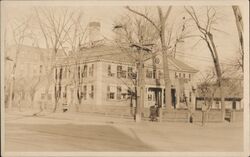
column 69, row 137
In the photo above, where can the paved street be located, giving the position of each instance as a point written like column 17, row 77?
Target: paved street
column 68, row 137
column 85, row 132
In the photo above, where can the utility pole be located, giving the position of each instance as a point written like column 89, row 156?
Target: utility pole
column 140, row 86
column 140, row 81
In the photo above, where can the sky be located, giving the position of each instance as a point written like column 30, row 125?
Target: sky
column 198, row 56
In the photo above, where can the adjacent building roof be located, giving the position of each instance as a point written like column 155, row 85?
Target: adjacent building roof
column 232, row 88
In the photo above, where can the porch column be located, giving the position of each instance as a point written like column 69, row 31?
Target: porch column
column 145, row 102
column 193, row 99
column 177, row 96
column 162, row 97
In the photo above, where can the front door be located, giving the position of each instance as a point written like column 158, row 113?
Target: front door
column 173, row 96
column 154, row 96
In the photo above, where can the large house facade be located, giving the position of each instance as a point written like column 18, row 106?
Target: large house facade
column 106, row 76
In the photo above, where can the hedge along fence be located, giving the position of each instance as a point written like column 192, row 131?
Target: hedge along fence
column 211, row 116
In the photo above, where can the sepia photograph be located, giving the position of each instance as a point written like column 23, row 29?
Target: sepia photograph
column 117, row 78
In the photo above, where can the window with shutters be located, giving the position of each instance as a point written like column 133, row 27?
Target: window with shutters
column 110, row 93
column 91, row 70
column 154, row 74
column 85, row 70
column 84, row 92
column 119, row 92
column 110, row 71
column 92, row 92
column 56, row 73
column 60, row 74
column 130, row 72
column 176, row 75
column 119, row 71
column 79, row 72
column 149, row 73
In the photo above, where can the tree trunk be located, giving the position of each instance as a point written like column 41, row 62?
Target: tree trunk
column 12, row 83
column 139, row 89
column 219, row 75
column 142, row 88
column 239, row 24
column 167, row 80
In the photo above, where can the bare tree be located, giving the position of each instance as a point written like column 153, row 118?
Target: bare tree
column 55, row 23
column 135, row 34
column 205, row 29
column 161, row 27
column 20, row 32
column 239, row 24
column 207, row 89
column 168, row 43
column 75, row 39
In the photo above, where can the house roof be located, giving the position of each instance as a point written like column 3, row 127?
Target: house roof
column 182, row 65
column 106, row 52
column 115, row 53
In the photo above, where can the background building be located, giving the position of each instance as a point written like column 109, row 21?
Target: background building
column 31, row 75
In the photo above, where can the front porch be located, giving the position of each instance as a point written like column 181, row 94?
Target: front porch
column 180, row 99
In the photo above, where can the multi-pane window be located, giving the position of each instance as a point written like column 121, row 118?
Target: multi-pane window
column 42, row 96
column 176, row 75
column 84, row 92
column 65, row 92
column 91, row 70
column 154, row 74
column 49, row 97
column 124, row 92
column 56, row 73
column 190, row 96
column 149, row 73
column 124, row 74
column 85, row 70
column 119, row 92
column 79, row 72
column 110, row 93
column 41, row 69
column 60, row 74
column 160, row 74
column 119, row 71
column 65, row 72
column 110, row 71
column 130, row 72
column 92, row 92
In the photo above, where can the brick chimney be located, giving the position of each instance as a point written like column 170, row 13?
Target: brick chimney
column 94, row 31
